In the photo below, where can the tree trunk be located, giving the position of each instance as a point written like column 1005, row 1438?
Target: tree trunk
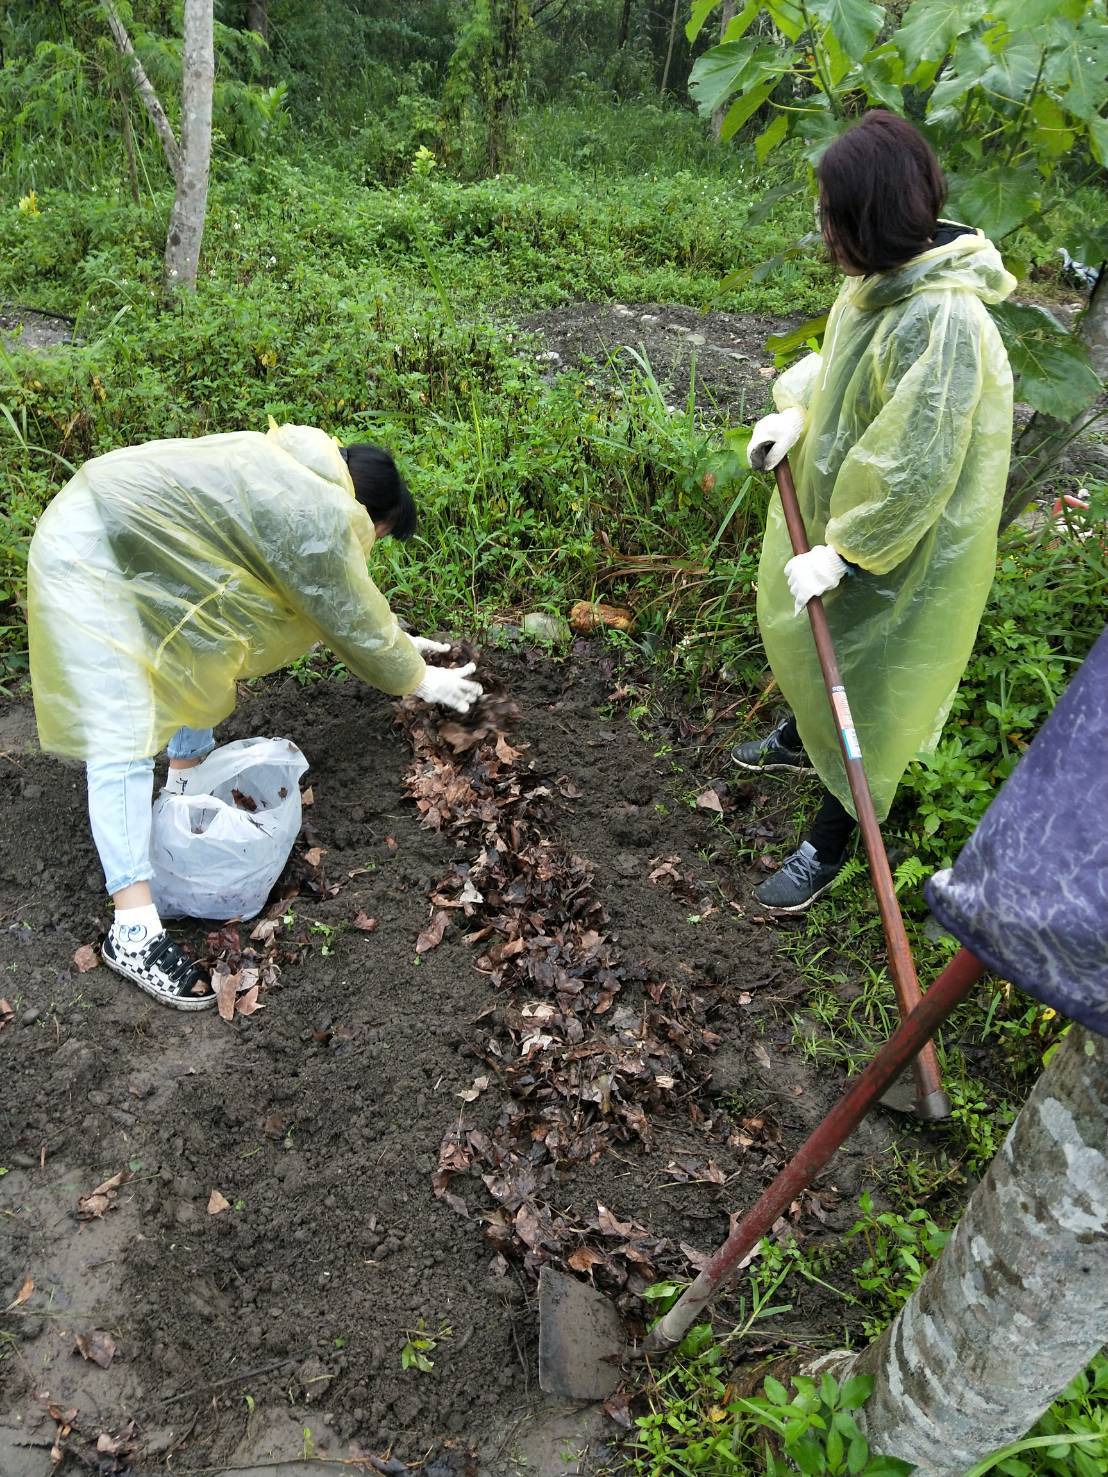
column 257, row 18
column 721, row 112
column 186, row 222
column 1018, row 1302
column 1044, row 437
column 145, row 89
column 669, row 53
column 624, row 25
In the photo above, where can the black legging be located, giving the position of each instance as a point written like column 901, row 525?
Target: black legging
column 833, row 826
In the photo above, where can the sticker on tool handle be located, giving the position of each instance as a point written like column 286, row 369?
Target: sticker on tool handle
column 845, row 720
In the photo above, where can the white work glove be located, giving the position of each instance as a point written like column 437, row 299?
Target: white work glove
column 813, row 573
column 424, row 645
column 449, row 687
column 773, row 437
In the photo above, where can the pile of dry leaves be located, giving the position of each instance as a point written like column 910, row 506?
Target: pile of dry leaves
column 584, row 1048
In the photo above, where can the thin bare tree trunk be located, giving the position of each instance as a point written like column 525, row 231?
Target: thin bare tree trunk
column 1018, row 1302
column 721, row 112
column 669, row 53
column 186, row 221
column 1044, row 437
column 145, row 89
column 624, row 25
column 257, row 18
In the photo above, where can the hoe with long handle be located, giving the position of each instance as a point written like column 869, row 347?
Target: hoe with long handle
column 582, row 1346
column 931, row 1100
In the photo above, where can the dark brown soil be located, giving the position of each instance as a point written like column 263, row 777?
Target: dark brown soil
column 722, row 354
column 320, row 1118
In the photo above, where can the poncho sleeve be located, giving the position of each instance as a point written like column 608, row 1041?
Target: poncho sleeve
column 320, row 565
column 898, row 476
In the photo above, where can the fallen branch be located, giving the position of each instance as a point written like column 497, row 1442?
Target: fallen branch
column 145, row 89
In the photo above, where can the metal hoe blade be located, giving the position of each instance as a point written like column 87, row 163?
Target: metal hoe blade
column 581, row 1339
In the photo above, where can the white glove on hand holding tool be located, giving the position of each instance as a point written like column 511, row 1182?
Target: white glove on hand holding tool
column 773, row 437
column 449, row 686
column 814, row 573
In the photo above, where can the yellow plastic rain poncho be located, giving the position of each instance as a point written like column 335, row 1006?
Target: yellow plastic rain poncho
column 901, row 468
column 162, row 574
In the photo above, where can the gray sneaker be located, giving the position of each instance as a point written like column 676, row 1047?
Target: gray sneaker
column 770, row 753
column 799, row 880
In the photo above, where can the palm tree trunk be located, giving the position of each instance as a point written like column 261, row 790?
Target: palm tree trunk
column 186, row 221
column 1018, row 1302
column 1043, row 437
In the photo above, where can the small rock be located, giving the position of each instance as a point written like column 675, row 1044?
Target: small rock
column 32, row 792
column 697, row 338
column 98, row 1099
column 29, row 1017
column 542, row 627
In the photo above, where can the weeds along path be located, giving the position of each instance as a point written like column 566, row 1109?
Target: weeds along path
column 559, row 1025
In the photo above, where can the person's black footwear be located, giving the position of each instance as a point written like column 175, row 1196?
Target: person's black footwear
column 799, row 880
column 769, row 752
column 160, row 967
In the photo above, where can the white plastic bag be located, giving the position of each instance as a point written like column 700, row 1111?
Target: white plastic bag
column 215, row 858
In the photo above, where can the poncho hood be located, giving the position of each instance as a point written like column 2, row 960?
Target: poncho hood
column 967, row 264
column 313, row 449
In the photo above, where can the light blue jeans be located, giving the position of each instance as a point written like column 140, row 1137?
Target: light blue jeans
column 120, row 794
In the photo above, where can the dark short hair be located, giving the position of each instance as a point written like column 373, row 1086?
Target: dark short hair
column 380, row 489
column 881, row 190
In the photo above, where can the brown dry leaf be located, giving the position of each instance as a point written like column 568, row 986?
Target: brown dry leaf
column 97, row 1346
column 766, row 371
column 22, row 1295
column 7, row 1014
column 93, row 1205
column 529, row 1228
column 697, row 1259
column 86, row 958
column 265, row 931
column 431, row 937
column 314, row 856
column 761, row 1056
column 307, row 797
column 709, row 800
column 568, row 789
column 274, row 1126
column 391, row 843
column 217, row 1203
column 224, row 987
column 666, row 868
column 505, row 752
column 244, row 801
column 247, row 1003
column 618, row 1406
column 471, row 1094
column 584, row 1259
column 609, row 1226
column 364, row 924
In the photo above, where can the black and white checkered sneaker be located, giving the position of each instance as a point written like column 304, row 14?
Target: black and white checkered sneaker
column 157, row 965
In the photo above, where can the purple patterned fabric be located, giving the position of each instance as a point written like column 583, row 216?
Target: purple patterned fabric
column 1029, row 892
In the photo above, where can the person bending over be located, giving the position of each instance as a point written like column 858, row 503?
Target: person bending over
column 164, row 574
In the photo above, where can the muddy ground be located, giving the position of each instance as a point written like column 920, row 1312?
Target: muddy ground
column 275, row 1329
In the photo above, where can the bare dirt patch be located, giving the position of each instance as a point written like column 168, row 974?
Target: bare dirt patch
column 321, row 1120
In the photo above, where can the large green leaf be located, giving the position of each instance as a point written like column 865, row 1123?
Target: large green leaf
column 1088, row 243
column 788, row 17
column 1077, row 65
column 1051, row 137
column 767, row 202
column 819, row 128
column 761, row 270
column 1052, row 366
column 1025, row 15
column 701, row 10
column 744, row 108
column 882, row 75
column 998, row 199
column 732, row 67
column 769, row 138
column 931, row 25
column 1098, row 139
column 971, row 60
column 1015, row 66
column 854, row 22
column 783, row 346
